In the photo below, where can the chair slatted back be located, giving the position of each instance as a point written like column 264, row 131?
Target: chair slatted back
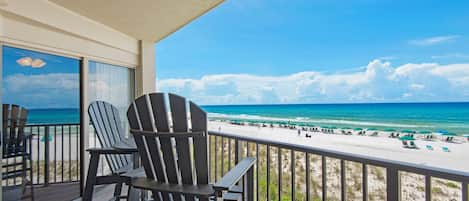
column 14, row 120
column 107, row 124
column 177, row 159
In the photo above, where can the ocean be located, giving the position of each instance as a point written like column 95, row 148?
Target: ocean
column 452, row 117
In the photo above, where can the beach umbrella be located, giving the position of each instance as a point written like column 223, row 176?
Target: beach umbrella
column 389, row 130
column 407, row 138
column 449, row 134
column 425, row 132
column 407, row 131
column 358, row 129
column 442, row 131
column 43, row 138
column 372, row 129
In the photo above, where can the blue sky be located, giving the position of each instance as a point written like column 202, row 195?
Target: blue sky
column 56, row 85
column 282, row 37
column 324, row 40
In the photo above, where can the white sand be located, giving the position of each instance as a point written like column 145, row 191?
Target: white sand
column 378, row 147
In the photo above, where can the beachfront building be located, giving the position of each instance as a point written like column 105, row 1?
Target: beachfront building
column 109, row 46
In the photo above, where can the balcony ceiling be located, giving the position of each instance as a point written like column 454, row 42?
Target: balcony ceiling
column 141, row 19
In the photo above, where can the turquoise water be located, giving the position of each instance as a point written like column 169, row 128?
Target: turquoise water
column 54, row 116
column 453, row 117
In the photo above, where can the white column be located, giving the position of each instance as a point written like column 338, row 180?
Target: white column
column 84, row 118
column 145, row 73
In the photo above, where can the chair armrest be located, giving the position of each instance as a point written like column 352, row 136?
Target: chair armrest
column 108, row 151
column 234, row 175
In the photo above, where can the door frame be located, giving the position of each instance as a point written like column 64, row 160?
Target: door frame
column 83, row 96
column 81, row 101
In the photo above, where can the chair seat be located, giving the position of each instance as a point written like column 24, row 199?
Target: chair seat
column 134, row 173
column 204, row 190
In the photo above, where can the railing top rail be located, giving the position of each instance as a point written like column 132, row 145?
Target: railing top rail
column 399, row 165
column 53, row 124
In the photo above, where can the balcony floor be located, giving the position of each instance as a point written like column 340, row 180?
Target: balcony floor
column 67, row 192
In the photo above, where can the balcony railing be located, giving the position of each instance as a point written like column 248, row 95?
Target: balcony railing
column 295, row 172
column 55, row 154
column 283, row 171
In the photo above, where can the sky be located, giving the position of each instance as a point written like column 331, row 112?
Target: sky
column 287, row 52
column 318, row 51
column 56, row 85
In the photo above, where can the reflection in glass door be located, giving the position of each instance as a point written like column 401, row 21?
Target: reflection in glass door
column 48, row 87
column 115, row 85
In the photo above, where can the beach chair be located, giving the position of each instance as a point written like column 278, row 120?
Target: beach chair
column 412, row 145
column 163, row 161
column 109, row 131
column 404, row 143
column 429, row 147
column 445, row 149
column 17, row 150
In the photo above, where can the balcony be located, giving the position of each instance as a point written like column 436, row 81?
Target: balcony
column 283, row 171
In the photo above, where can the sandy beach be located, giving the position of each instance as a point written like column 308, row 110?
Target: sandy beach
column 381, row 146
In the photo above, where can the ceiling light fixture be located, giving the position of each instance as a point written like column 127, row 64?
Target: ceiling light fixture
column 25, row 61
column 38, row 63
column 30, row 62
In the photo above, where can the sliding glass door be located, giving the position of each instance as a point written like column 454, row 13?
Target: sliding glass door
column 48, row 87
column 113, row 84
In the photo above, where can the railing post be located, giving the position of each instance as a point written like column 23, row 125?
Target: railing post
column 46, row 156
column 392, row 184
column 428, row 188
column 324, row 178
column 307, row 177
column 365, row 181
column 236, row 151
column 464, row 191
column 343, row 184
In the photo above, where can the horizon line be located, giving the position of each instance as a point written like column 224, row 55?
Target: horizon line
column 340, row 103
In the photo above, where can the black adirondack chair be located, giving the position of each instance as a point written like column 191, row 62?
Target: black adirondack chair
column 185, row 171
column 16, row 149
column 105, row 120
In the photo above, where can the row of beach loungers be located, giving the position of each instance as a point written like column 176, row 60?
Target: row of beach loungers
column 412, row 145
column 332, row 131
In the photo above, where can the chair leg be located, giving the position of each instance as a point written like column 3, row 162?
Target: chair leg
column 250, row 184
column 31, row 179
column 132, row 194
column 118, row 190
column 91, row 177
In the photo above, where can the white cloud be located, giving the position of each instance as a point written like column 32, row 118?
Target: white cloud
column 378, row 82
column 433, row 40
column 43, row 90
column 451, row 56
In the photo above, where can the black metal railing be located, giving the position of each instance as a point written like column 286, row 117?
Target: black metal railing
column 55, row 153
column 287, row 171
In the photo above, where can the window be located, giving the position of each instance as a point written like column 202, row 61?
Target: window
column 113, row 84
